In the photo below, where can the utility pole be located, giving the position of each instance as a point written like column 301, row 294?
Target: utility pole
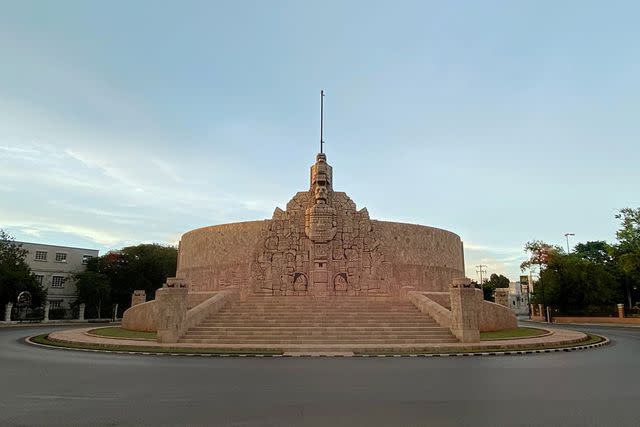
column 567, row 237
column 321, row 121
column 481, row 269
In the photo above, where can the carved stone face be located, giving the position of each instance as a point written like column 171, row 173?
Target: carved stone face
column 321, row 193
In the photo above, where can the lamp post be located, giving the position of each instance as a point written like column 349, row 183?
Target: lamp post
column 566, row 235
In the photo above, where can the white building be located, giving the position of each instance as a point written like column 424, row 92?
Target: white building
column 519, row 298
column 54, row 267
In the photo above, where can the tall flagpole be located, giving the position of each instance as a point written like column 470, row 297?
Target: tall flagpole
column 321, row 120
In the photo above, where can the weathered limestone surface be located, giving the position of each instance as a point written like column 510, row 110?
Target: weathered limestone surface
column 196, row 298
column 488, row 316
column 214, row 304
column 139, row 296
column 175, row 310
column 219, row 256
column 172, row 307
column 440, row 314
column 142, row 317
column 464, row 311
column 442, row 298
column 494, row 317
column 320, row 245
column 501, row 296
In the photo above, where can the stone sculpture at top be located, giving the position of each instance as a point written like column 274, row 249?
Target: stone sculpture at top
column 320, row 217
column 320, row 245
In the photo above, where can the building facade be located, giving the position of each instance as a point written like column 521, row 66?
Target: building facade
column 54, row 267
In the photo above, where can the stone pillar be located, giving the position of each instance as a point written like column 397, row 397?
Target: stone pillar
column 172, row 306
column 501, row 296
column 47, row 305
column 138, row 297
column 541, row 310
column 7, row 312
column 533, row 309
column 464, row 311
column 621, row 311
column 81, row 311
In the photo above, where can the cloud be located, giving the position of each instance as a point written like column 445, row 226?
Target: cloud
column 94, row 234
column 31, row 232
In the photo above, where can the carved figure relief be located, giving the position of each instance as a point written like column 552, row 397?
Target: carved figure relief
column 340, row 282
column 320, row 244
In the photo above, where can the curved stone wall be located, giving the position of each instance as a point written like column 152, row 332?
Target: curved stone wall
column 427, row 258
column 320, row 245
column 220, row 256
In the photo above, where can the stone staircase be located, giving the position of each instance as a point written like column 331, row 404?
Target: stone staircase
column 298, row 321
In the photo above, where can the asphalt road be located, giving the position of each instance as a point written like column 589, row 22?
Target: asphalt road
column 599, row 387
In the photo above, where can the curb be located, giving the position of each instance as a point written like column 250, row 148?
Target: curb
column 605, row 342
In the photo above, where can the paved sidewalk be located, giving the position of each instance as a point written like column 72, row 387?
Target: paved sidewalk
column 556, row 337
column 546, row 325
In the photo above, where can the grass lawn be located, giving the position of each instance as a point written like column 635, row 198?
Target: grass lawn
column 44, row 339
column 118, row 332
column 511, row 333
column 591, row 339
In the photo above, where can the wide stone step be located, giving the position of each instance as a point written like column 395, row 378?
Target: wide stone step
column 275, row 341
column 302, row 320
column 318, row 324
column 317, row 331
column 303, row 329
column 328, row 305
column 319, row 308
column 321, row 338
column 338, row 315
column 320, row 311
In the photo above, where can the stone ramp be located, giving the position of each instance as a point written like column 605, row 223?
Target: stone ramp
column 319, row 322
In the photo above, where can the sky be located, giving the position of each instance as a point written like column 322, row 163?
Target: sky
column 129, row 122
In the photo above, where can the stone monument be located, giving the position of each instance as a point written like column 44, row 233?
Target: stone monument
column 323, row 253
column 320, row 245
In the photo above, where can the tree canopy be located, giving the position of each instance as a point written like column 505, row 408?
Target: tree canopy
column 144, row 266
column 596, row 273
column 15, row 274
column 489, row 286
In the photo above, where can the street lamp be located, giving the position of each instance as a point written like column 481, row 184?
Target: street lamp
column 566, row 235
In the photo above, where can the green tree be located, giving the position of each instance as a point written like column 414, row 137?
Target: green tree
column 489, row 286
column 574, row 283
column 599, row 252
column 539, row 253
column 145, row 266
column 499, row 280
column 15, row 274
column 627, row 252
column 93, row 290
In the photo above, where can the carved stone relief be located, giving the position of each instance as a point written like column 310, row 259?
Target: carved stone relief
column 320, row 245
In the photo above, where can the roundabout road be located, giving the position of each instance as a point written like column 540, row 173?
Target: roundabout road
column 598, row 387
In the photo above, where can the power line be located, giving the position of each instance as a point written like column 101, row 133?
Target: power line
column 482, row 268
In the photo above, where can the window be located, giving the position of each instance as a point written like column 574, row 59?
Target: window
column 55, row 303
column 86, row 258
column 61, row 257
column 39, row 278
column 57, row 282
column 41, row 255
